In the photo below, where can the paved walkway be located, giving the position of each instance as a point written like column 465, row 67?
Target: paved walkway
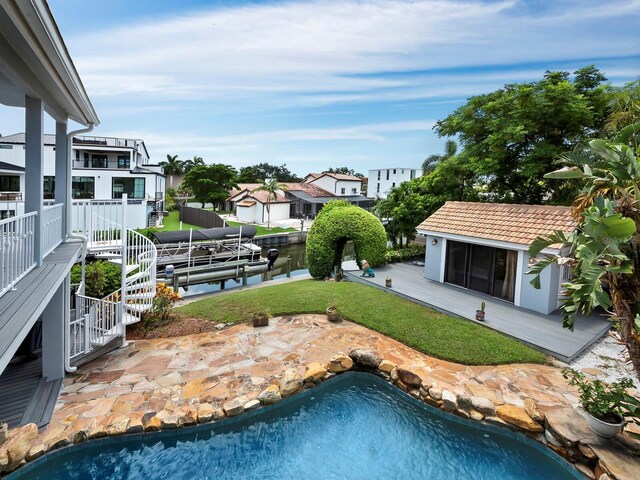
column 544, row 332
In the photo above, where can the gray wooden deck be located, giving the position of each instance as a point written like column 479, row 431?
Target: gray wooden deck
column 21, row 307
column 544, row 332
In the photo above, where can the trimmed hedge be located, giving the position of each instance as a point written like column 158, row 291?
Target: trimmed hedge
column 338, row 222
column 410, row 252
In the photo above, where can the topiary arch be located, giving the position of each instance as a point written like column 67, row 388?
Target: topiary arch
column 338, row 222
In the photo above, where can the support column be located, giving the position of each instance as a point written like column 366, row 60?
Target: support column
column 63, row 175
column 53, row 319
column 34, row 168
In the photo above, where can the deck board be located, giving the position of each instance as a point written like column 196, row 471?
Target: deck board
column 544, row 332
column 22, row 306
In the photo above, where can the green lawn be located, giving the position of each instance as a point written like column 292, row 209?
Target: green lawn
column 419, row 327
column 172, row 222
column 263, row 230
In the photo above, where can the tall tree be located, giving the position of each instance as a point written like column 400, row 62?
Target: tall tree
column 271, row 186
column 604, row 252
column 172, row 167
column 263, row 171
column 511, row 137
column 196, row 161
column 624, row 110
column 210, row 183
column 344, row 171
column 431, row 162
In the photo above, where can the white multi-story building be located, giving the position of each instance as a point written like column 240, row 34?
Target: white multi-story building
column 382, row 181
column 103, row 168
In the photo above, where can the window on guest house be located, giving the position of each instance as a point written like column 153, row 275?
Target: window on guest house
column 342, row 191
column 354, row 190
column 9, row 183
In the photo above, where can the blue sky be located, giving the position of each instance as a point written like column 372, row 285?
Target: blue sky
column 324, row 83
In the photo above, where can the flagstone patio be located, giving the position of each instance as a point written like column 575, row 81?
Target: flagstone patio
column 169, row 379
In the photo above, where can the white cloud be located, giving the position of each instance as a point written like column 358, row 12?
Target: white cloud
column 338, row 49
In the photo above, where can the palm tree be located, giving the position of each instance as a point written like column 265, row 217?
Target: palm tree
column 172, row 167
column 189, row 164
column 271, row 186
column 432, row 161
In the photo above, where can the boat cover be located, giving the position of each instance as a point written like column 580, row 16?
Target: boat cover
column 207, row 234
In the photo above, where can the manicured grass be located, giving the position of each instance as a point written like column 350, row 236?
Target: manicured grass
column 419, row 327
column 263, row 230
column 172, row 222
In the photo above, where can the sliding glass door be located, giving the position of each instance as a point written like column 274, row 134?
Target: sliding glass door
column 481, row 268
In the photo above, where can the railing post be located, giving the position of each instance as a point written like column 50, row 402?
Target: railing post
column 123, row 293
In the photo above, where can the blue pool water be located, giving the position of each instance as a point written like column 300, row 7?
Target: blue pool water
column 353, row 427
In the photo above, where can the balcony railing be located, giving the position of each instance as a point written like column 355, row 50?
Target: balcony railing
column 10, row 196
column 105, row 141
column 51, row 227
column 110, row 164
column 17, row 252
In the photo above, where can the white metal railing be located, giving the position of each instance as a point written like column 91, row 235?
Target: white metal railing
column 17, row 249
column 98, row 220
column 97, row 321
column 51, row 225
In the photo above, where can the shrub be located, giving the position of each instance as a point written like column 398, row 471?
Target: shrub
column 163, row 304
column 101, row 278
column 338, row 222
column 402, row 254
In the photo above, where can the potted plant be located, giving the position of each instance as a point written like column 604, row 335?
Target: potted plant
column 387, row 282
column 603, row 403
column 333, row 314
column 480, row 313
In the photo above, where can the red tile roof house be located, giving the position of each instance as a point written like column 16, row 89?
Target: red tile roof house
column 251, row 206
column 483, row 247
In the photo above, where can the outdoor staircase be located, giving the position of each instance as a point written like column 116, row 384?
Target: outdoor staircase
column 98, row 321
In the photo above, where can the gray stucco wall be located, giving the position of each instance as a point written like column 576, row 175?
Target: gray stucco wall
column 544, row 300
column 433, row 259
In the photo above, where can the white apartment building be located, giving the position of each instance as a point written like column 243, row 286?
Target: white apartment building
column 103, row 169
column 382, row 181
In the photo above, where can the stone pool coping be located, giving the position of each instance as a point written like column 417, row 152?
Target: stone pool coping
column 302, row 395
column 167, row 383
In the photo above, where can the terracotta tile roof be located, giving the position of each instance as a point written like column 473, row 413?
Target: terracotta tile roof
column 309, row 188
column 499, row 221
column 262, row 195
column 246, row 203
column 242, row 187
column 342, row 176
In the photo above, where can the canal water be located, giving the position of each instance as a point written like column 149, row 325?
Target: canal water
column 298, row 256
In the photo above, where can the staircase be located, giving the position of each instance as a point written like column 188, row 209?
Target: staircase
column 99, row 321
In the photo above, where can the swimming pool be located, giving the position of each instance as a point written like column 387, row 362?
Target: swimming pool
column 355, row 426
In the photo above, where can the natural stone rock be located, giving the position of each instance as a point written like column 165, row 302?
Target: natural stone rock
column 518, row 416
column 80, row 436
column 188, row 416
column 218, row 414
column 586, row 471
column 153, row 424
column 496, row 421
column 233, row 407
column 18, row 445
column 386, row 366
column 587, row 451
column 394, row 374
column 251, row 405
column 36, row 451
column 415, row 394
column 171, row 421
column 4, row 432
column 314, row 372
column 551, row 438
column 409, row 378
column 260, row 319
column 616, row 462
column 462, row 413
column 484, row 405
column 532, row 410
column 118, row 426
column 432, row 402
column 435, row 393
column 475, row 415
column 205, row 412
column 569, row 426
column 135, row 423
column 604, row 476
column 340, row 363
column 291, row 382
column 4, row 459
column 365, row 358
column 424, row 392
column 96, row 429
column 402, row 386
column 449, row 401
column 271, row 394
column 464, row 401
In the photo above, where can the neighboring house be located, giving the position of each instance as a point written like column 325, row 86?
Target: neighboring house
column 39, row 339
column 483, row 247
column 307, row 199
column 382, row 181
column 236, row 193
column 251, row 207
column 103, row 169
column 336, row 183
